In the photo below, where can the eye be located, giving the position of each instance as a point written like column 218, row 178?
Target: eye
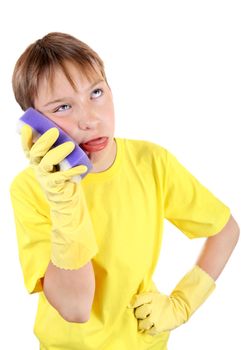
column 62, row 108
column 97, row 93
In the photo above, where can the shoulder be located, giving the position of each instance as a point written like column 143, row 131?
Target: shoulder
column 143, row 149
column 144, row 156
column 26, row 189
column 23, row 180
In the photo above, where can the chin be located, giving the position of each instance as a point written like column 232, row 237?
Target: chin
column 102, row 160
column 95, row 157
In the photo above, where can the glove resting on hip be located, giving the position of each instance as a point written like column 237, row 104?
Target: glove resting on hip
column 157, row 312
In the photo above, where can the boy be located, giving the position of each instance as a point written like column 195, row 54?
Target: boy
column 90, row 248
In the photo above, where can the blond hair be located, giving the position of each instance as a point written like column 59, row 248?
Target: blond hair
column 41, row 59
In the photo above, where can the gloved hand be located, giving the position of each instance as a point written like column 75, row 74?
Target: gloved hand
column 157, row 312
column 72, row 237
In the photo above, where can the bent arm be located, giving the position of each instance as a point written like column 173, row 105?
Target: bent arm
column 217, row 249
column 70, row 292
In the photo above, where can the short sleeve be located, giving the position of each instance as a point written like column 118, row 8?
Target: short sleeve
column 189, row 205
column 33, row 226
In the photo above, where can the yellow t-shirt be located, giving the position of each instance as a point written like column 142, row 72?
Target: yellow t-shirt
column 128, row 204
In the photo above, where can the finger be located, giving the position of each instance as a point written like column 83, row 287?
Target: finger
column 78, row 170
column 56, row 155
column 140, row 299
column 143, row 311
column 26, row 138
column 44, row 143
column 146, row 324
column 61, row 176
column 153, row 331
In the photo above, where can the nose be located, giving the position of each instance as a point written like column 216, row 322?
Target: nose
column 87, row 118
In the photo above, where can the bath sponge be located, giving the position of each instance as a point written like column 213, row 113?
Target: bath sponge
column 40, row 124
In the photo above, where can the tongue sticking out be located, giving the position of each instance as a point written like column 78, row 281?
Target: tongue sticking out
column 95, row 141
column 95, row 145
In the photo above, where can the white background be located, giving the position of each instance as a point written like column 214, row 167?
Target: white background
column 175, row 71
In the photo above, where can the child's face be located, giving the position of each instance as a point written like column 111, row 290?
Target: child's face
column 86, row 113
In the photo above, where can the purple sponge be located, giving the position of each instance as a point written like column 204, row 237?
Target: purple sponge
column 40, row 124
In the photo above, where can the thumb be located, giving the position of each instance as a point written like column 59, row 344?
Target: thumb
column 26, row 138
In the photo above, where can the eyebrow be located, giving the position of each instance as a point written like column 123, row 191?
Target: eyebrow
column 64, row 98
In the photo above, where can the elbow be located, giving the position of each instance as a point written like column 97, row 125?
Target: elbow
column 237, row 236
column 73, row 301
column 75, row 317
column 236, row 229
column 77, row 313
column 77, row 310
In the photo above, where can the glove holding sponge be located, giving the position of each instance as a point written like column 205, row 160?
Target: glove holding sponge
column 156, row 312
column 72, row 236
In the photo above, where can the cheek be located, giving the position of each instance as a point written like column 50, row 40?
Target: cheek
column 65, row 125
column 110, row 123
column 110, row 116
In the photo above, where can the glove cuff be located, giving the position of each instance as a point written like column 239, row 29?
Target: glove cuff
column 194, row 288
column 72, row 256
column 72, row 249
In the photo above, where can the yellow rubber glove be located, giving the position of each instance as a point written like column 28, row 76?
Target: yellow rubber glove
column 72, row 237
column 157, row 312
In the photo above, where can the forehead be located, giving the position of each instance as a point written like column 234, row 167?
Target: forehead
column 65, row 80
column 67, row 74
